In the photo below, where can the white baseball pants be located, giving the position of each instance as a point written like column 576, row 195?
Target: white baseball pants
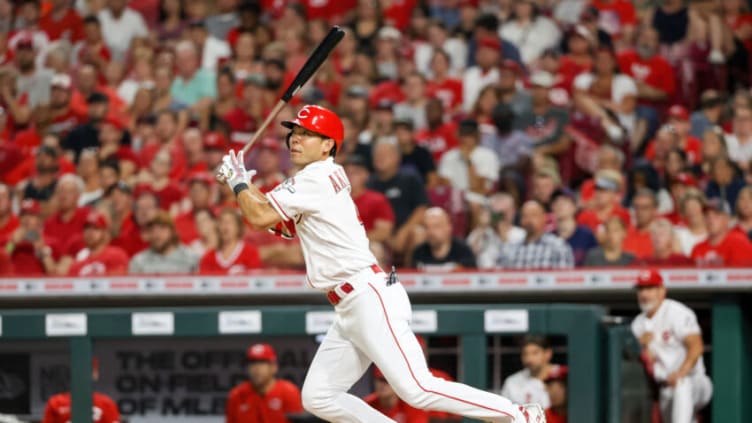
column 373, row 326
column 680, row 403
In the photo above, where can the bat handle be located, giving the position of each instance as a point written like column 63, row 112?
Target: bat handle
column 260, row 131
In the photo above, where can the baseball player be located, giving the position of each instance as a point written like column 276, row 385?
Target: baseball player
column 104, row 410
column 527, row 385
column 373, row 310
column 671, row 350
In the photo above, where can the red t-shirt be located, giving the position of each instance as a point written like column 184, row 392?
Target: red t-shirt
column 25, row 260
column 590, row 218
column 65, row 121
column 739, row 21
column 373, row 206
column 734, row 250
column 553, row 417
column 438, row 141
column 449, row 92
column 58, row 409
column 242, row 125
column 110, row 261
column 569, row 69
column 692, row 146
column 70, row 26
column 614, row 15
column 245, row 405
column 244, row 258
column 186, row 226
column 398, row 13
column 177, row 157
column 130, row 239
column 55, row 227
column 7, row 229
column 638, row 243
column 401, row 412
column 655, row 72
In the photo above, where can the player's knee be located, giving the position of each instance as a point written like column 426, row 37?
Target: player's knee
column 418, row 394
column 315, row 399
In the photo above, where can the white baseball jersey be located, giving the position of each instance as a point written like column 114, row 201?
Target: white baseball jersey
column 334, row 242
column 670, row 325
column 522, row 387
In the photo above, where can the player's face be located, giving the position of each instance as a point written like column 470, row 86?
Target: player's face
column 261, row 373
column 307, row 146
column 534, row 357
column 650, row 297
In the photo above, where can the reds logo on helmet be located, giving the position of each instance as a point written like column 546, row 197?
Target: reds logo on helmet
column 319, row 120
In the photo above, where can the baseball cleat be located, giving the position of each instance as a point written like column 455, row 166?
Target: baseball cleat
column 534, row 413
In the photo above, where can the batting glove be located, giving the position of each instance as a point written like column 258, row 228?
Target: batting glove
column 233, row 171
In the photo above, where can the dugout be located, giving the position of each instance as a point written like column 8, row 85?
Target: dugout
column 595, row 351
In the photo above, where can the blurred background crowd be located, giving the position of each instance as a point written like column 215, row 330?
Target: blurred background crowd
column 484, row 134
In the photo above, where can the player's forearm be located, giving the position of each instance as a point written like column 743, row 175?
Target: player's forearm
column 381, row 231
column 256, row 208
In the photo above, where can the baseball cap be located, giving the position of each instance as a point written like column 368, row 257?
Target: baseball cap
column 261, row 352
column 96, row 220
column 557, row 373
column 389, row 33
column 717, row 205
column 97, row 97
column 269, row 143
column 468, row 127
column 357, row 91
column 608, row 179
column 385, row 104
column 649, row 278
column 404, row 121
column 509, row 64
column 201, row 177
column 61, row 80
column 357, row 160
column 215, row 141
column 489, row 42
column 582, row 31
column 684, row 178
column 26, row 41
column 29, row 206
column 542, row 79
column 677, row 111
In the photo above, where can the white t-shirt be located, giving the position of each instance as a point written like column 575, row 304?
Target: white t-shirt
column 334, row 242
column 687, row 239
column 621, row 85
column 523, row 388
column 473, row 81
column 214, row 49
column 532, row 39
column 670, row 325
column 454, row 47
column 118, row 33
column 485, row 162
column 737, row 151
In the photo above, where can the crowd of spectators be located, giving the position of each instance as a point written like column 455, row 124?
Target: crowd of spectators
column 478, row 133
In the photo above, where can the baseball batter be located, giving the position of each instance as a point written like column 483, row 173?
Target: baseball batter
column 373, row 315
column 672, row 350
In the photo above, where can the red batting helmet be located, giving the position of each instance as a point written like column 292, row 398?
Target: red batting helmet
column 319, row 120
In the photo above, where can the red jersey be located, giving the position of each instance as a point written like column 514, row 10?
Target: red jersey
column 55, row 227
column 656, row 72
column 25, row 260
column 615, row 15
column 64, row 121
column 58, row 409
column 7, row 229
column 692, row 147
column 70, row 26
column 242, row 125
column 398, row 13
column 590, row 218
column 373, row 206
column 130, row 239
column 438, row 141
column 401, row 413
column 186, row 226
column 569, row 69
column 109, row 261
column 243, row 258
column 177, row 156
column 638, row 243
column 245, row 405
column 734, row 250
column 449, row 92
column 554, row 417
